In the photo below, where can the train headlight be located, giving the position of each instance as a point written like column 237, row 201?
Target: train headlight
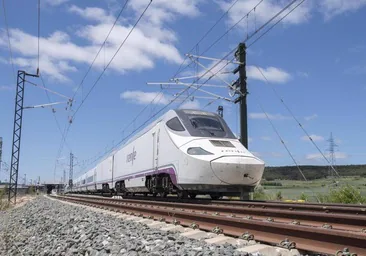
column 198, row 151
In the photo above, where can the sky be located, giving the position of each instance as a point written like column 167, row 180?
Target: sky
column 310, row 69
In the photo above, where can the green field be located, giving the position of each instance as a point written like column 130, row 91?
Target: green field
column 293, row 189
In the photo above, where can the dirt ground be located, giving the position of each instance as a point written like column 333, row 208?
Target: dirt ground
column 21, row 200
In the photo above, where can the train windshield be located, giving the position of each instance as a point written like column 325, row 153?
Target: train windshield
column 204, row 124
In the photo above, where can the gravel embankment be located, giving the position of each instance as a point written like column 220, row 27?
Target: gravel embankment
column 48, row 227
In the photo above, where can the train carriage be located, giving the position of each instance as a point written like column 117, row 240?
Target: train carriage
column 187, row 152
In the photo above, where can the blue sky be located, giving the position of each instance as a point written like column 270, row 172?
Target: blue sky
column 314, row 59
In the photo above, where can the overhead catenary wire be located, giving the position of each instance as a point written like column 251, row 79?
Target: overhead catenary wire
column 67, row 127
column 274, row 24
column 9, row 42
column 54, row 115
column 256, row 32
column 101, row 47
column 39, row 30
column 205, row 35
column 115, row 54
column 223, row 35
column 204, row 74
column 297, row 121
column 283, row 142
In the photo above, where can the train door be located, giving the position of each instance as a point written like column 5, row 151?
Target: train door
column 155, row 159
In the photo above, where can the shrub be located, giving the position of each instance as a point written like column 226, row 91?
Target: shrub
column 259, row 194
column 4, row 204
column 304, row 197
column 279, row 195
column 346, row 195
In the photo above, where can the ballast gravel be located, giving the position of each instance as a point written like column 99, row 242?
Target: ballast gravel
column 49, row 227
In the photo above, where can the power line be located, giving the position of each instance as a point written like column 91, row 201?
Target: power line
column 206, row 34
column 66, row 131
column 67, row 126
column 9, row 43
column 250, row 36
column 222, row 36
column 115, row 54
column 209, row 70
column 39, row 29
column 298, row 122
column 54, row 115
column 163, row 108
column 277, row 21
column 101, row 47
column 201, row 39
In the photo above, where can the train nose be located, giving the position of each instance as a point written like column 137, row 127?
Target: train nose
column 238, row 170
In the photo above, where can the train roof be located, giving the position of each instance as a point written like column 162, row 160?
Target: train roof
column 169, row 114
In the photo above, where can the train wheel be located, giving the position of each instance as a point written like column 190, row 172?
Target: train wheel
column 192, row 196
column 154, row 194
column 215, row 197
column 182, row 194
column 163, row 194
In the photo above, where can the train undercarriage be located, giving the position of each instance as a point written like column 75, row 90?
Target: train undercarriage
column 161, row 185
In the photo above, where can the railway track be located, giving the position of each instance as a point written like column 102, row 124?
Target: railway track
column 310, row 229
column 292, row 206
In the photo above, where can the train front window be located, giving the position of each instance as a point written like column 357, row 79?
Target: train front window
column 175, row 124
column 206, row 123
column 206, row 126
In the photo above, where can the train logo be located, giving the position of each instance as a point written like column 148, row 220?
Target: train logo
column 132, row 156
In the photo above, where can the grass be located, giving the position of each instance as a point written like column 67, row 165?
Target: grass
column 344, row 190
column 4, row 204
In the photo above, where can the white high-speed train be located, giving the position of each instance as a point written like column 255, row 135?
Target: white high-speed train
column 187, row 152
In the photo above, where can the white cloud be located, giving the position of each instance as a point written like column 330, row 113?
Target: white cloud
column 140, row 97
column 263, row 12
column 302, row 74
column 270, row 116
column 338, row 141
column 267, row 9
column 331, row 8
column 60, row 52
column 318, row 156
column 166, row 10
column 273, row 74
column 266, row 138
column 356, row 70
column 313, row 137
column 53, row 68
column 190, row 105
column 313, row 116
column 6, row 88
column 357, row 48
column 93, row 13
column 54, row 2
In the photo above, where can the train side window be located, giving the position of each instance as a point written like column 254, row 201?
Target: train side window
column 175, row 124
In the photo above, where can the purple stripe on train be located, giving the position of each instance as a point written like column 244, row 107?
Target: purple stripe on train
column 169, row 171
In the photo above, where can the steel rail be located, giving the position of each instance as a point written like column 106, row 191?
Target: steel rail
column 316, row 207
column 307, row 238
column 340, row 219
